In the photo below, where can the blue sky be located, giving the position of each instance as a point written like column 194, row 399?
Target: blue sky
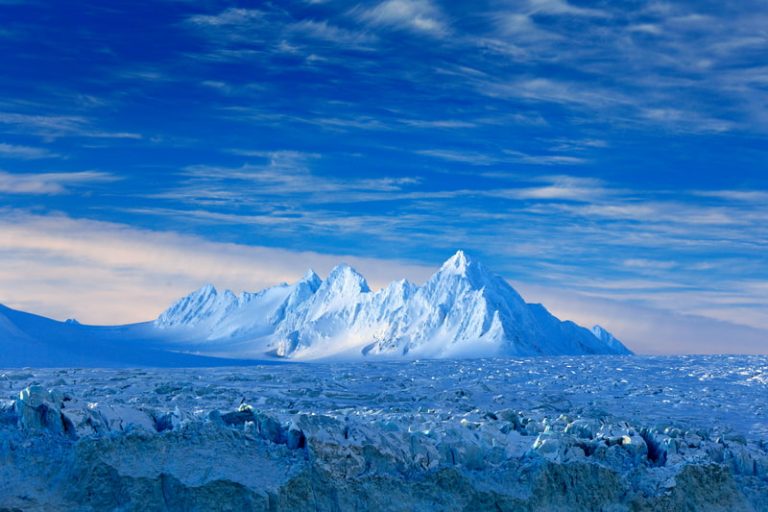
column 598, row 154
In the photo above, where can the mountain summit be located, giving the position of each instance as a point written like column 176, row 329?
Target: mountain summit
column 463, row 310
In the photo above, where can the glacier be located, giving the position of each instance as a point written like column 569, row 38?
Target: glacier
column 542, row 433
column 463, row 311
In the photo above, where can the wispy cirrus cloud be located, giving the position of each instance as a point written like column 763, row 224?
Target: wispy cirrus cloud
column 324, row 30
column 465, row 157
column 569, row 188
column 25, row 152
column 116, row 273
column 563, row 8
column 449, row 124
column 661, row 48
column 279, row 175
column 751, row 196
column 505, row 156
column 660, row 51
column 51, row 183
column 652, row 328
column 232, row 17
column 419, row 16
column 557, row 91
column 250, row 33
column 56, row 126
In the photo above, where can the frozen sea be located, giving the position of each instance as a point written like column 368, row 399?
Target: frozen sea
column 541, row 433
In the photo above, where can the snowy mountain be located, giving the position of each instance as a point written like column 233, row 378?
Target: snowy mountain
column 463, row 310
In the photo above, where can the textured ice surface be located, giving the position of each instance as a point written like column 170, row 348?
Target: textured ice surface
column 563, row 433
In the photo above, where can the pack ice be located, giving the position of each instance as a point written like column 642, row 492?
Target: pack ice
column 588, row 433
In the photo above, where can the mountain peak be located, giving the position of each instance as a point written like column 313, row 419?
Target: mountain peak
column 344, row 277
column 462, row 310
column 311, row 277
column 457, row 263
column 198, row 305
column 462, row 266
column 205, row 291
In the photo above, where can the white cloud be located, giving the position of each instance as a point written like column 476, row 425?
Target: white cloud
column 107, row 273
column 686, row 120
column 747, row 196
column 421, row 16
column 24, row 152
column 438, row 123
column 278, row 29
column 523, row 30
column 642, row 263
column 562, row 7
column 52, row 126
column 281, row 174
column 506, row 156
column 228, row 18
column 525, row 158
column 561, row 187
column 465, row 157
column 647, row 28
column 50, row 183
column 577, row 94
column 637, row 67
column 651, row 330
column 324, row 31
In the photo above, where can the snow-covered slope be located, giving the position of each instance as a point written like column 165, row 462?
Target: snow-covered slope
column 606, row 337
column 36, row 341
column 463, row 310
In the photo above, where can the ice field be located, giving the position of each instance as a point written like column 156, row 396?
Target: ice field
column 541, row 433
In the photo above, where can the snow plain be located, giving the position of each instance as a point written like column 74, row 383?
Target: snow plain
column 611, row 433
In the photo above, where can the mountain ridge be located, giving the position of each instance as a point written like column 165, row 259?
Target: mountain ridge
column 463, row 310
